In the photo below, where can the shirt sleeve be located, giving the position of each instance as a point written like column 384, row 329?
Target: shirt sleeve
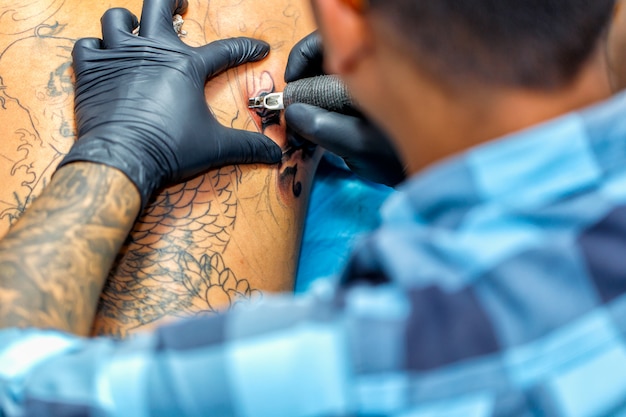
column 285, row 357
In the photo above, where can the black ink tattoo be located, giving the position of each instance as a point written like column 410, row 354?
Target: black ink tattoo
column 21, row 17
column 149, row 281
column 287, row 179
column 37, row 131
column 60, row 83
column 3, row 100
column 213, row 285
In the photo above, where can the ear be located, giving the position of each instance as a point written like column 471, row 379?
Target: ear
column 345, row 32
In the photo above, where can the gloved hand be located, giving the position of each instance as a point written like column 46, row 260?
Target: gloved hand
column 140, row 104
column 364, row 148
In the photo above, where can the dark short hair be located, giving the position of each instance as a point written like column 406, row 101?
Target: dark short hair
column 539, row 44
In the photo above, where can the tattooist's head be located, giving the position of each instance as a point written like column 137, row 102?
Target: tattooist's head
column 443, row 75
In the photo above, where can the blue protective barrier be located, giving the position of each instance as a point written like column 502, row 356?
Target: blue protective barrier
column 343, row 207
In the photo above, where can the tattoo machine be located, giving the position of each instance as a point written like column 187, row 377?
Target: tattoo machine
column 325, row 91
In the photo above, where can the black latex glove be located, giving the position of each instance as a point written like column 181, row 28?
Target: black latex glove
column 140, row 104
column 364, row 148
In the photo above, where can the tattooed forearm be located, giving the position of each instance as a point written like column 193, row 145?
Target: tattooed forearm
column 54, row 261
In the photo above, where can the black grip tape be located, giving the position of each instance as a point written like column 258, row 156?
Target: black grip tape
column 326, row 91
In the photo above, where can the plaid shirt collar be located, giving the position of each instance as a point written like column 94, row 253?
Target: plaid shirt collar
column 522, row 170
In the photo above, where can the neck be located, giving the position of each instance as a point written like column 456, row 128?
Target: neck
column 443, row 122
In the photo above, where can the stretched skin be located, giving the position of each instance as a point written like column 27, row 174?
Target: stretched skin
column 211, row 243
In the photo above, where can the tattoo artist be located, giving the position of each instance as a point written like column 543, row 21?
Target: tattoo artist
column 495, row 286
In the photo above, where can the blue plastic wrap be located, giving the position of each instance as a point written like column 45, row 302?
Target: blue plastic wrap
column 342, row 208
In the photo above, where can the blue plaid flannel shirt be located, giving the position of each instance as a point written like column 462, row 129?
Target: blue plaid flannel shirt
column 496, row 286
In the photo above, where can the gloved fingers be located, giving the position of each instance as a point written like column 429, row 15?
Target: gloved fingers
column 156, row 18
column 117, row 25
column 82, row 48
column 243, row 147
column 306, row 59
column 229, row 53
column 85, row 44
column 335, row 132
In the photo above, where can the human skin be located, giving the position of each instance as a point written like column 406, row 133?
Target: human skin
column 200, row 247
column 616, row 47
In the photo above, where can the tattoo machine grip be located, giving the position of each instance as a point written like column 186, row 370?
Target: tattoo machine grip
column 325, row 91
